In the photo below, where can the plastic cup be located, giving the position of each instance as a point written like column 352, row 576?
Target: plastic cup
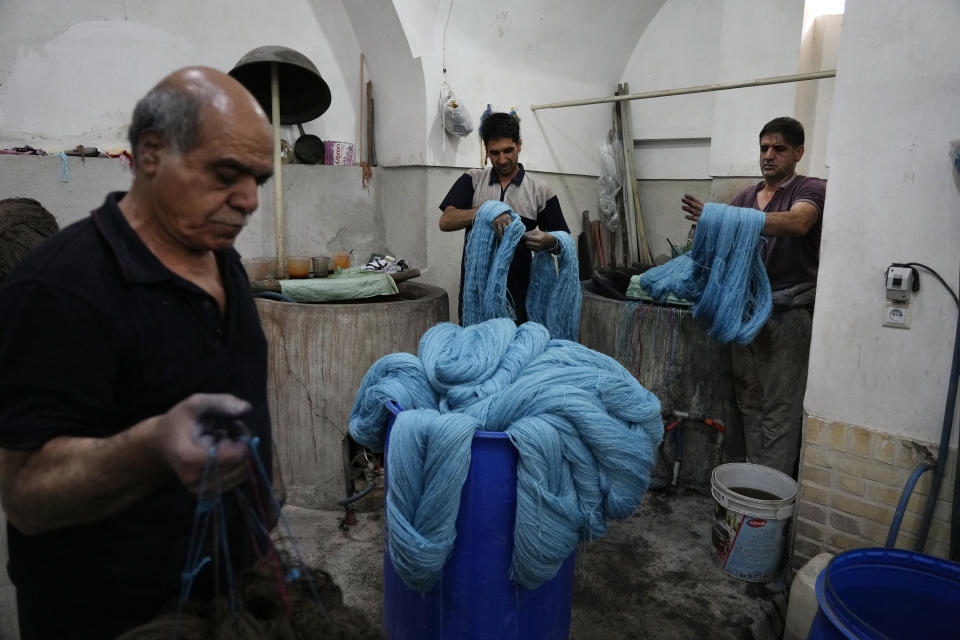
column 260, row 268
column 298, row 267
column 321, row 266
column 341, row 261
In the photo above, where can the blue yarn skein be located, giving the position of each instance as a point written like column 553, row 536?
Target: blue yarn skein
column 399, row 377
column 723, row 274
column 428, row 460
column 487, row 265
column 554, row 296
column 467, row 364
column 585, row 430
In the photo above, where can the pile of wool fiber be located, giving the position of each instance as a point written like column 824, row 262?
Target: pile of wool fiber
column 585, row 430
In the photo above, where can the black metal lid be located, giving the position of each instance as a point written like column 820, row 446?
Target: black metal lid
column 304, row 95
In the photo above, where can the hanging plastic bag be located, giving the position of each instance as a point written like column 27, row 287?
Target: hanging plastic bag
column 610, row 181
column 453, row 113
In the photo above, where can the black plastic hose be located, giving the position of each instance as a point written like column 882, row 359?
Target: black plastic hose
column 955, row 510
column 351, row 499
column 942, row 460
column 902, row 505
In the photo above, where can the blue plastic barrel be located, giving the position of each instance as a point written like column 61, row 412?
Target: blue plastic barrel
column 475, row 600
column 887, row 594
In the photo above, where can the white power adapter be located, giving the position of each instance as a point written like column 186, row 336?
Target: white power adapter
column 901, row 281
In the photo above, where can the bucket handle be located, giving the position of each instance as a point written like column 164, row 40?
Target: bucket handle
column 780, row 513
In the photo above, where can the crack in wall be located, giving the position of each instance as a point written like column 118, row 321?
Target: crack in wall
column 304, row 386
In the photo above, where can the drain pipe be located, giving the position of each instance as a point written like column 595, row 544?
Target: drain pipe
column 942, row 460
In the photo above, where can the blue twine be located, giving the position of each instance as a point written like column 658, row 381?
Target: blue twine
column 553, row 297
column 213, row 510
column 585, row 430
column 254, row 443
column 723, row 274
column 201, row 521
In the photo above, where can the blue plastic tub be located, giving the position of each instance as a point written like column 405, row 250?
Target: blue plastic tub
column 475, row 600
column 887, row 594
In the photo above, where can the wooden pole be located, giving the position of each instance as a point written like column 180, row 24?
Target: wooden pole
column 360, row 128
column 798, row 77
column 641, row 238
column 632, row 253
column 277, row 169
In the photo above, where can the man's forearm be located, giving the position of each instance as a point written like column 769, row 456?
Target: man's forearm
column 453, row 219
column 71, row 481
column 794, row 223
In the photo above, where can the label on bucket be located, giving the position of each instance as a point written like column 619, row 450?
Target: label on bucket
column 747, row 547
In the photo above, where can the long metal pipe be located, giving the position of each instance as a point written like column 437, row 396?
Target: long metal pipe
column 278, row 223
column 797, row 77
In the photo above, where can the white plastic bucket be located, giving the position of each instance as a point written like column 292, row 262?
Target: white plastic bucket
column 751, row 517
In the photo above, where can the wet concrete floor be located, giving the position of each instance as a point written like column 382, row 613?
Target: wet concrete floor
column 651, row 577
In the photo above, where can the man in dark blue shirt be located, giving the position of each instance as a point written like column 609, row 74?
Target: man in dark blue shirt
column 505, row 180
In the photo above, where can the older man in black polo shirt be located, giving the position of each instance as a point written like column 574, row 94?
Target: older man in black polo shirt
column 119, row 338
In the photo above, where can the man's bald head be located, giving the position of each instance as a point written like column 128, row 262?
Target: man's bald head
column 177, row 105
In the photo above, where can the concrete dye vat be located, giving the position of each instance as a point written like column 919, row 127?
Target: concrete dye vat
column 318, row 354
column 669, row 353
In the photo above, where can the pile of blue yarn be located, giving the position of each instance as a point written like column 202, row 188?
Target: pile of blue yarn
column 554, row 296
column 722, row 274
column 585, row 430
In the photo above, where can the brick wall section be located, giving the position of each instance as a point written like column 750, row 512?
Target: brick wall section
column 851, row 479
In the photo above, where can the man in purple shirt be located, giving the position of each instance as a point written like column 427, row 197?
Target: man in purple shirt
column 770, row 373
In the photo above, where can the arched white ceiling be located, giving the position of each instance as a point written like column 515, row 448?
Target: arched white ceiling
column 397, row 78
column 508, row 54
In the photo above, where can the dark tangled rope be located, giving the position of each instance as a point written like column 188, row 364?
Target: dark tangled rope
column 24, row 224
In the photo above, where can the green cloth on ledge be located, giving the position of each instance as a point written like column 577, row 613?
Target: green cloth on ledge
column 346, row 284
column 636, row 292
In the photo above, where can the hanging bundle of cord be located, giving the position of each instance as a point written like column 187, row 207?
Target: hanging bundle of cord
column 278, row 598
column 723, row 274
column 554, row 296
column 584, row 428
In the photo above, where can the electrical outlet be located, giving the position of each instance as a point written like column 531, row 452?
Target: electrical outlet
column 896, row 314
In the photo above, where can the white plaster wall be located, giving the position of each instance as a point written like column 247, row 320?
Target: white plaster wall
column 698, row 42
column 714, row 135
column 891, row 198
column 71, row 72
column 39, row 177
column 678, row 50
column 513, row 54
column 326, row 211
column 818, row 52
column 758, row 40
column 397, row 79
